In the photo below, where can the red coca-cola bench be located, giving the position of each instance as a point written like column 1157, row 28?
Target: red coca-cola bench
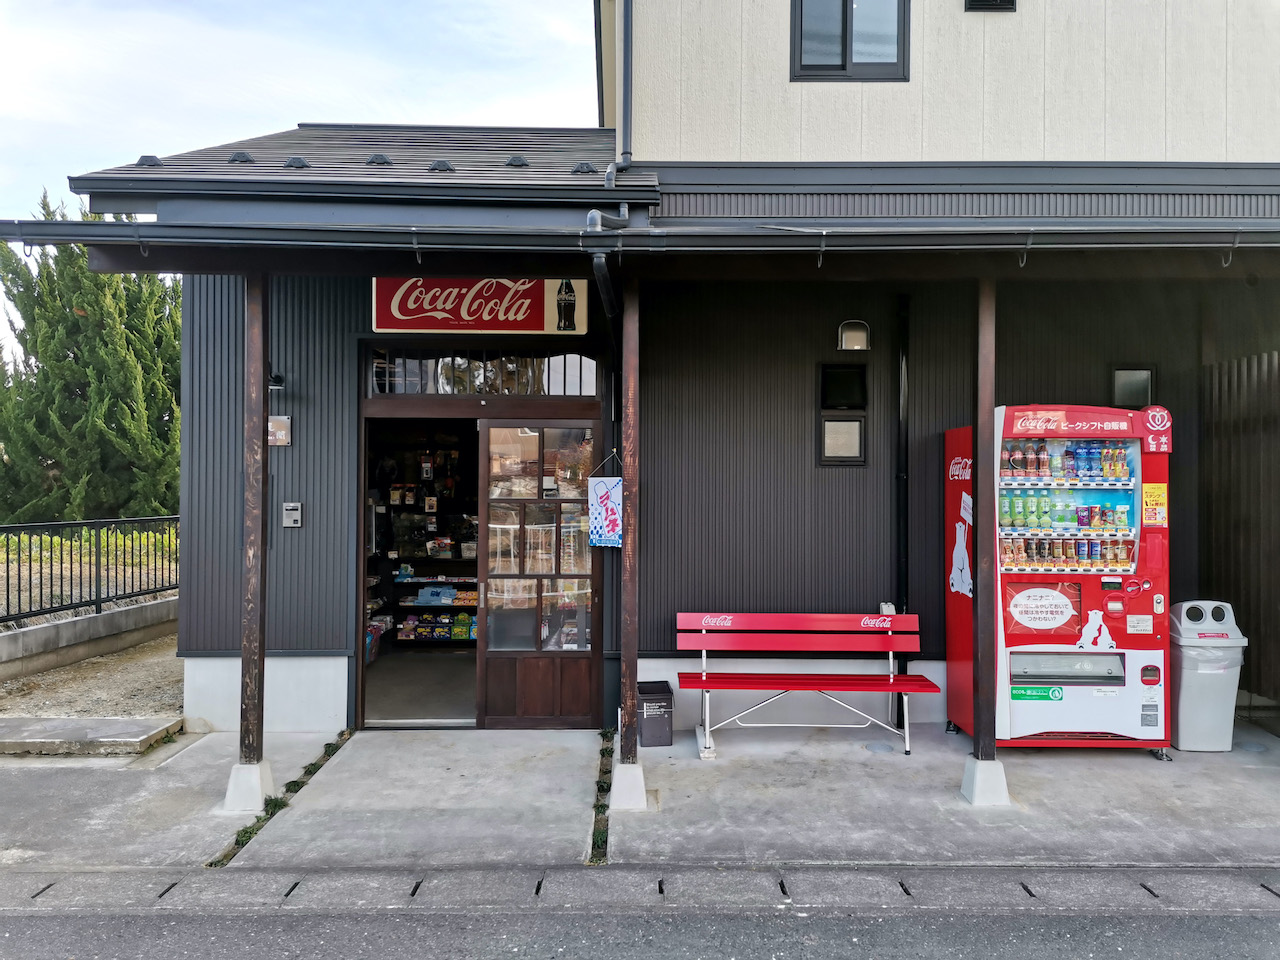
column 790, row 633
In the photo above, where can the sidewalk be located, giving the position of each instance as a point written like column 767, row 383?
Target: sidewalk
column 789, row 795
column 159, row 809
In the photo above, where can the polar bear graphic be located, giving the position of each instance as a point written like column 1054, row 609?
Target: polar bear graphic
column 961, row 580
column 1095, row 635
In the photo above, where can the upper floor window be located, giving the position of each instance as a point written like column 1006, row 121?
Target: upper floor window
column 849, row 39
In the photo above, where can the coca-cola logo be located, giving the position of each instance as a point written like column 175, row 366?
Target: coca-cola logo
column 1158, row 419
column 877, row 623
column 1036, row 423
column 722, row 621
column 961, row 469
column 491, row 299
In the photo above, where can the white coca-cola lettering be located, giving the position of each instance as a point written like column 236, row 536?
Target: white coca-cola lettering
column 961, row 469
column 874, row 623
column 506, row 301
column 1033, row 424
column 717, row 621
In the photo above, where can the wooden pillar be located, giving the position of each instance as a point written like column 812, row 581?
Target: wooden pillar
column 984, row 525
column 630, row 640
column 253, row 591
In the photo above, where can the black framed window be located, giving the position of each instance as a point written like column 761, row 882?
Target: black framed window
column 1132, row 386
column 842, row 413
column 850, row 39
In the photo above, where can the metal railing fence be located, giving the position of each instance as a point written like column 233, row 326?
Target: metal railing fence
column 68, row 566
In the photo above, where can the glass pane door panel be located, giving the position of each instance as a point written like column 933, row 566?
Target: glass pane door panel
column 504, row 538
column 513, row 462
column 566, row 463
column 575, row 551
column 539, row 538
column 512, row 615
column 566, row 614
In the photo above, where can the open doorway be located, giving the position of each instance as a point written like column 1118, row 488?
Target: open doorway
column 420, row 583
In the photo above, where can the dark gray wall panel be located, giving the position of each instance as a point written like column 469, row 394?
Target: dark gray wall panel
column 210, row 489
column 735, row 513
column 940, row 370
column 311, row 604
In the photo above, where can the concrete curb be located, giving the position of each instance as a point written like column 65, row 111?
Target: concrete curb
column 627, row 890
column 46, row 646
column 83, row 737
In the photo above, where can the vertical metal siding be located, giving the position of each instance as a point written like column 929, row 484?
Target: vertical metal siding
column 939, row 396
column 311, row 600
column 736, row 514
column 1241, row 519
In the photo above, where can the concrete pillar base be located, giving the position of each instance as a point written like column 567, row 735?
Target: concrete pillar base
column 627, row 792
column 984, row 783
column 249, row 786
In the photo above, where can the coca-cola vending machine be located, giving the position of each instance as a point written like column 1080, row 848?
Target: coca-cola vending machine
column 1081, row 540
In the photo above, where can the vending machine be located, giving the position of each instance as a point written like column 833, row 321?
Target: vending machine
column 1081, row 540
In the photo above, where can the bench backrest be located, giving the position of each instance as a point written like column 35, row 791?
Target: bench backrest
column 812, row 632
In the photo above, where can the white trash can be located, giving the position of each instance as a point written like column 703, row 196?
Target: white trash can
column 1206, row 653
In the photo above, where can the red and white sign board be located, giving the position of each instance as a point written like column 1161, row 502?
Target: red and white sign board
column 479, row 305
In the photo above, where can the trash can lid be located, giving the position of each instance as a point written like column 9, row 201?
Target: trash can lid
column 1205, row 623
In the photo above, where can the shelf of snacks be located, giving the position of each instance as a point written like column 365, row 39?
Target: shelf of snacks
column 438, row 628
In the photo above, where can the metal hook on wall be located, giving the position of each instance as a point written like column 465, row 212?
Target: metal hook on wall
column 1022, row 254
column 822, row 246
column 1231, row 252
column 416, row 252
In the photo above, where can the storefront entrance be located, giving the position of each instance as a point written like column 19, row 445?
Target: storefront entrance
column 482, row 595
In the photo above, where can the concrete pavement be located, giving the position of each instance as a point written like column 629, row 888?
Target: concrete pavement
column 790, row 795
column 155, row 810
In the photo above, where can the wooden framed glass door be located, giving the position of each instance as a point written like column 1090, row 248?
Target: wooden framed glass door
column 539, row 644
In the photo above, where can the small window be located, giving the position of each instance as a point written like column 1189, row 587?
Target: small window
column 849, row 39
column 1132, row 387
column 842, row 413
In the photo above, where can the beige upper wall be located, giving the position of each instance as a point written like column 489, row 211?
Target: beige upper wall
column 1157, row 80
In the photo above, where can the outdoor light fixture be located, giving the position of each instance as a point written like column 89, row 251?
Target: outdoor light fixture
column 275, row 381
column 854, row 335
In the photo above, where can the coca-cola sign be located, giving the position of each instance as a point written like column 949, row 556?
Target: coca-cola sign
column 877, row 623
column 479, row 305
column 961, row 468
column 725, row 620
column 1070, row 422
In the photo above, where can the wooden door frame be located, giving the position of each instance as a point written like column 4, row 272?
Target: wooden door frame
column 597, row 573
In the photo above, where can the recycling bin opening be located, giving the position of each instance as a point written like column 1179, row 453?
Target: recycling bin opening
column 656, row 709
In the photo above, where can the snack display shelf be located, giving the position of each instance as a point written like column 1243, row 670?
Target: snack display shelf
column 438, row 606
column 447, row 581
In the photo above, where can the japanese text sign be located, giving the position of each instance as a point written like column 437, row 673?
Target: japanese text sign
column 605, row 505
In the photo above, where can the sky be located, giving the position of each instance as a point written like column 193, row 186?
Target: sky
column 92, row 84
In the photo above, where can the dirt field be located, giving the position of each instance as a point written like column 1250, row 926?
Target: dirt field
column 143, row 681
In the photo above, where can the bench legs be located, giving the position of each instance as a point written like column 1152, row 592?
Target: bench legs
column 906, row 725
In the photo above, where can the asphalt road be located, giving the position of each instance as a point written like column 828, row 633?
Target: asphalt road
column 569, row 936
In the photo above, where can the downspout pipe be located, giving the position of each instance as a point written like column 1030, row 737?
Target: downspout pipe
column 625, row 161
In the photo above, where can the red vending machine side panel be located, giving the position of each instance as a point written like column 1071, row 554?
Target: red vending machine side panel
column 958, row 569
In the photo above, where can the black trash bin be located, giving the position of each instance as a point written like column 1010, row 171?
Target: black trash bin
column 656, row 708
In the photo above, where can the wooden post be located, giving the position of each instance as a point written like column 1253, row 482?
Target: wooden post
column 984, row 518
column 254, row 611
column 630, row 517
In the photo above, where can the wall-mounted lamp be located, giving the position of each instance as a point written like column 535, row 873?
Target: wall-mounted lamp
column 275, row 381
column 854, row 335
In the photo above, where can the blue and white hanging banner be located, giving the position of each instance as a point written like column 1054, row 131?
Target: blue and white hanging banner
column 605, row 502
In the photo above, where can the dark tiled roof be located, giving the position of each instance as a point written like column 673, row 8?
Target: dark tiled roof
column 338, row 153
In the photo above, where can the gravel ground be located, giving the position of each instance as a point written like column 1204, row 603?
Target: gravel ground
column 143, row 681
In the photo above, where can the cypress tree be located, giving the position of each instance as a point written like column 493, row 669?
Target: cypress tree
column 89, row 417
